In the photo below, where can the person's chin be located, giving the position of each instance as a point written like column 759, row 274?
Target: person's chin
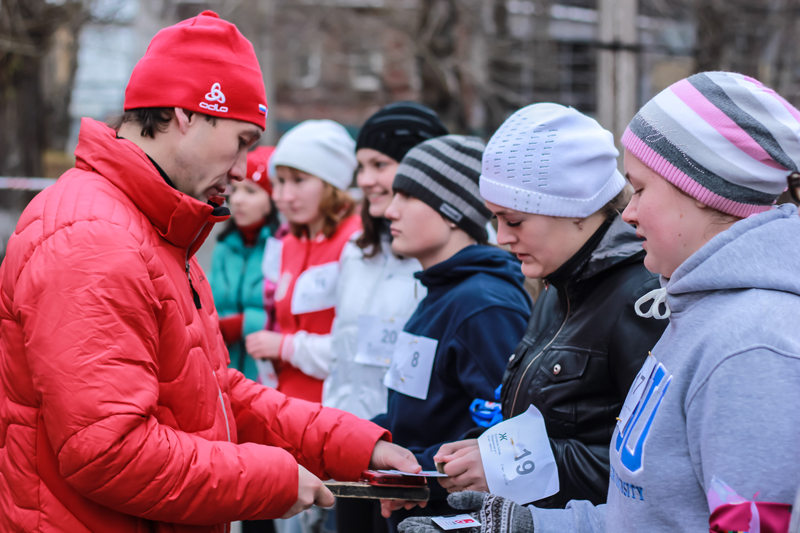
column 378, row 209
column 243, row 221
column 296, row 218
column 399, row 246
column 651, row 263
column 532, row 270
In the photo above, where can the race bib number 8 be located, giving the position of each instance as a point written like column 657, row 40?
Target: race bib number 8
column 412, row 364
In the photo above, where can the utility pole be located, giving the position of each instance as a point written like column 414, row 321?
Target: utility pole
column 617, row 73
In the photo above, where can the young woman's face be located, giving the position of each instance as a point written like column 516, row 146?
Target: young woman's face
column 417, row 230
column 543, row 243
column 298, row 195
column 249, row 203
column 674, row 225
column 375, row 175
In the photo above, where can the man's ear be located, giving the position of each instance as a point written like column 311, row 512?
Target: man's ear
column 184, row 119
column 700, row 204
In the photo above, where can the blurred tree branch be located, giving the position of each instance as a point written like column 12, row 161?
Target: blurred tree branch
column 38, row 60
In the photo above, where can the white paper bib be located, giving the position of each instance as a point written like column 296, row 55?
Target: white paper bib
column 266, row 373
column 412, row 364
column 271, row 264
column 454, row 523
column 315, row 289
column 518, row 460
column 377, row 338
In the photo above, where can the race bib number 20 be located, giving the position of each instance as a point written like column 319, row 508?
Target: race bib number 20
column 377, row 338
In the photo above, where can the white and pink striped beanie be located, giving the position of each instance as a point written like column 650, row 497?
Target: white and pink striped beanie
column 723, row 138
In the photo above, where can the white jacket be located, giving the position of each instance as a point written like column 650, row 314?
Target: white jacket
column 382, row 286
column 359, row 281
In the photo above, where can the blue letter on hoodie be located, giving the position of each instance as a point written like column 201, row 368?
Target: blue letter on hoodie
column 632, row 458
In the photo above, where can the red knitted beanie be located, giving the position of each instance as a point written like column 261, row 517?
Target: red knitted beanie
column 258, row 167
column 202, row 64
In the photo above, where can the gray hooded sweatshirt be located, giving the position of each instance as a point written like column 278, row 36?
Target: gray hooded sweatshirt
column 724, row 397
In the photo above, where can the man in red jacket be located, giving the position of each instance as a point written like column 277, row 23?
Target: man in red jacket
column 117, row 409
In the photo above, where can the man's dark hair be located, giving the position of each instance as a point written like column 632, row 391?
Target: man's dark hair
column 152, row 119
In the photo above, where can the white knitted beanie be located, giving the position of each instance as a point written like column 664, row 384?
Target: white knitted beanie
column 551, row 160
column 322, row 148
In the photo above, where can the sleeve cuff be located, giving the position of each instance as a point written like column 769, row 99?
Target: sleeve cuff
column 286, row 349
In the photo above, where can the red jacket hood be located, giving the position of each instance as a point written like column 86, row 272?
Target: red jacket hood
column 179, row 218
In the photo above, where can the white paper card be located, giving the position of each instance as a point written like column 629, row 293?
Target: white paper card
column 412, row 364
column 424, row 473
column 518, row 460
column 453, row 523
column 271, row 264
column 636, row 391
column 266, row 373
column 315, row 289
column 377, row 338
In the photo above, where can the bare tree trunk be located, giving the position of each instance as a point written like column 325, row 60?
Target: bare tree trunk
column 436, row 55
column 35, row 87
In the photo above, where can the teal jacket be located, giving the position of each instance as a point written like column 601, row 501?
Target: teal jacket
column 238, row 286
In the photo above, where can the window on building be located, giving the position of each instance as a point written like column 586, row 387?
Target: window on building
column 366, row 71
column 306, row 67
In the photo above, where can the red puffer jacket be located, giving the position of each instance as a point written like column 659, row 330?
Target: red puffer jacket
column 117, row 409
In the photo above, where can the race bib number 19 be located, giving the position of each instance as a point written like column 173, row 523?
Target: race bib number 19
column 518, row 460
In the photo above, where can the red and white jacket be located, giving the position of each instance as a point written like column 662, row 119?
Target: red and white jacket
column 305, row 306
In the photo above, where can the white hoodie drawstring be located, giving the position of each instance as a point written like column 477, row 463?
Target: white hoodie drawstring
column 659, row 296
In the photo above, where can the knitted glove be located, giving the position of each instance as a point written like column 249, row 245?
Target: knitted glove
column 496, row 515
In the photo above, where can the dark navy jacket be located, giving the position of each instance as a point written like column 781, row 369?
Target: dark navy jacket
column 477, row 309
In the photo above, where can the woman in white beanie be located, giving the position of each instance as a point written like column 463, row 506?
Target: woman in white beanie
column 707, row 437
column 313, row 165
column 550, row 176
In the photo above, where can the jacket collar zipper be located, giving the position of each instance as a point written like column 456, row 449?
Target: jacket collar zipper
column 195, row 295
column 522, row 378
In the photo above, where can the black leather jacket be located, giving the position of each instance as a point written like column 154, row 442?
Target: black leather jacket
column 583, row 347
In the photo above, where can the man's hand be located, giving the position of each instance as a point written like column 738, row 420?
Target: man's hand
column 264, row 344
column 496, row 515
column 310, row 491
column 464, row 467
column 388, row 456
column 390, row 506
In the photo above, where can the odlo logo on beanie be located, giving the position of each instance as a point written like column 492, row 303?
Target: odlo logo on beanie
column 215, row 95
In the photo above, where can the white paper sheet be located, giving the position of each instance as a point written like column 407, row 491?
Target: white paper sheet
column 377, row 338
column 518, row 460
column 412, row 364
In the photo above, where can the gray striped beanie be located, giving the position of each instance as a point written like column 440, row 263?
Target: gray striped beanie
column 723, row 138
column 444, row 173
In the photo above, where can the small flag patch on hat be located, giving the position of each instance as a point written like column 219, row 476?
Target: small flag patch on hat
column 262, row 109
